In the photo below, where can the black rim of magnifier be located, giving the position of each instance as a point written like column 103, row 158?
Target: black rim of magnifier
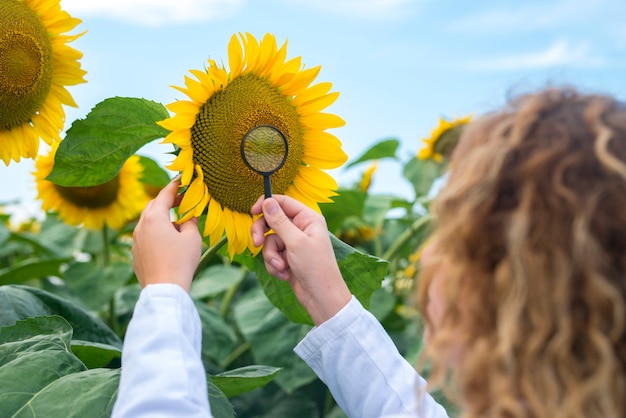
column 243, row 152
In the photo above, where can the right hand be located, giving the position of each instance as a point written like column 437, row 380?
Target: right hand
column 300, row 252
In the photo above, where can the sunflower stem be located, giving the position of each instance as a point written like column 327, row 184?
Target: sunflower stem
column 228, row 297
column 113, row 322
column 406, row 236
column 106, row 249
column 238, row 352
column 208, row 254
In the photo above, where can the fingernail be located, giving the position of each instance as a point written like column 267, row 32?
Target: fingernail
column 255, row 238
column 274, row 262
column 271, row 207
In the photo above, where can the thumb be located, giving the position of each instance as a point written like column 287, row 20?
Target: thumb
column 278, row 221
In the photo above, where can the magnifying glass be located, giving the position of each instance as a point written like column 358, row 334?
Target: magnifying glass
column 264, row 149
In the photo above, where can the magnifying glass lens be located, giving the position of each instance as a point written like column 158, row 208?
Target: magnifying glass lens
column 264, row 149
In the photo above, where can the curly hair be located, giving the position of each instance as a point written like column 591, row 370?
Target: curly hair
column 532, row 228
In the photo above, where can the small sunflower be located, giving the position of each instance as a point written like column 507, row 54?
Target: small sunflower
column 113, row 203
column 35, row 66
column 261, row 88
column 443, row 139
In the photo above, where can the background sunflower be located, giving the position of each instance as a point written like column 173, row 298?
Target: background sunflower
column 113, row 203
column 35, row 66
column 442, row 139
column 261, row 88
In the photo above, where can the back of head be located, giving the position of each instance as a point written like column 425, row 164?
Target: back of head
column 532, row 225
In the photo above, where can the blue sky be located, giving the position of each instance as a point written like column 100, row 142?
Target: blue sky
column 398, row 64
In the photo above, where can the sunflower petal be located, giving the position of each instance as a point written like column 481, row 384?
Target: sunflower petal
column 235, row 56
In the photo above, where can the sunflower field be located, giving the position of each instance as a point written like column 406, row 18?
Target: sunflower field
column 67, row 287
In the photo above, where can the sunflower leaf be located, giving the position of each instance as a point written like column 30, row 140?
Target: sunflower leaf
column 41, row 376
column 422, row 174
column 244, row 379
column 19, row 302
column 382, row 149
column 95, row 148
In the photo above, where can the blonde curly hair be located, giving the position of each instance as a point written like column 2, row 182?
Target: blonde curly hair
column 532, row 228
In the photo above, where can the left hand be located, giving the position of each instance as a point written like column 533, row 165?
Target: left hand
column 164, row 251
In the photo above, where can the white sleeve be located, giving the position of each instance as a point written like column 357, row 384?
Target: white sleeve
column 355, row 357
column 162, row 371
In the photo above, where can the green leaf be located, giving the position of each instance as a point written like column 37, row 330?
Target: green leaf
column 95, row 148
column 220, row 405
column 380, row 150
column 4, row 233
column 42, row 378
column 421, row 174
column 363, row 275
column 91, row 393
column 153, row 174
column 238, row 381
column 281, row 295
column 216, row 279
column 95, row 286
column 218, row 337
column 31, row 269
column 382, row 303
column 96, row 355
column 33, row 353
column 346, row 204
column 272, row 338
column 19, row 302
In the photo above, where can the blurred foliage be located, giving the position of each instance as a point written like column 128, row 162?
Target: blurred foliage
column 67, row 293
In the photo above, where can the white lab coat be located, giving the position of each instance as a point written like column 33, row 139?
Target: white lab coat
column 163, row 376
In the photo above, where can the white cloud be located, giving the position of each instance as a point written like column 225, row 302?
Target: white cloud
column 531, row 15
column 362, row 9
column 560, row 54
column 155, row 12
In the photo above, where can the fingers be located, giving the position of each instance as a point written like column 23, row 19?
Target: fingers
column 275, row 262
column 189, row 226
column 167, row 196
column 279, row 221
column 289, row 205
column 257, row 207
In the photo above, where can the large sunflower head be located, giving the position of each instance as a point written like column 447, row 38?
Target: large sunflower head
column 113, row 203
column 443, row 139
column 261, row 88
column 35, row 66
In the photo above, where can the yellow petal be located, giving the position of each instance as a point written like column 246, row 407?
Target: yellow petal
column 235, row 56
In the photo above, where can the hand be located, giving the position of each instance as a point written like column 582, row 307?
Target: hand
column 163, row 251
column 300, row 252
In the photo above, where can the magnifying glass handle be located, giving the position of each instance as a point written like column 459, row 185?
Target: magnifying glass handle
column 267, row 185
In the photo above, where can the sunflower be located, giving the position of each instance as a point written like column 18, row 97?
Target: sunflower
column 262, row 88
column 35, row 66
column 113, row 203
column 442, row 139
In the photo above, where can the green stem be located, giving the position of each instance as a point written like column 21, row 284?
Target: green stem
column 406, row 236
column 113, row 322
column 238, row 352
column 106, row 250
column 228, row 297
column 208, row 254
